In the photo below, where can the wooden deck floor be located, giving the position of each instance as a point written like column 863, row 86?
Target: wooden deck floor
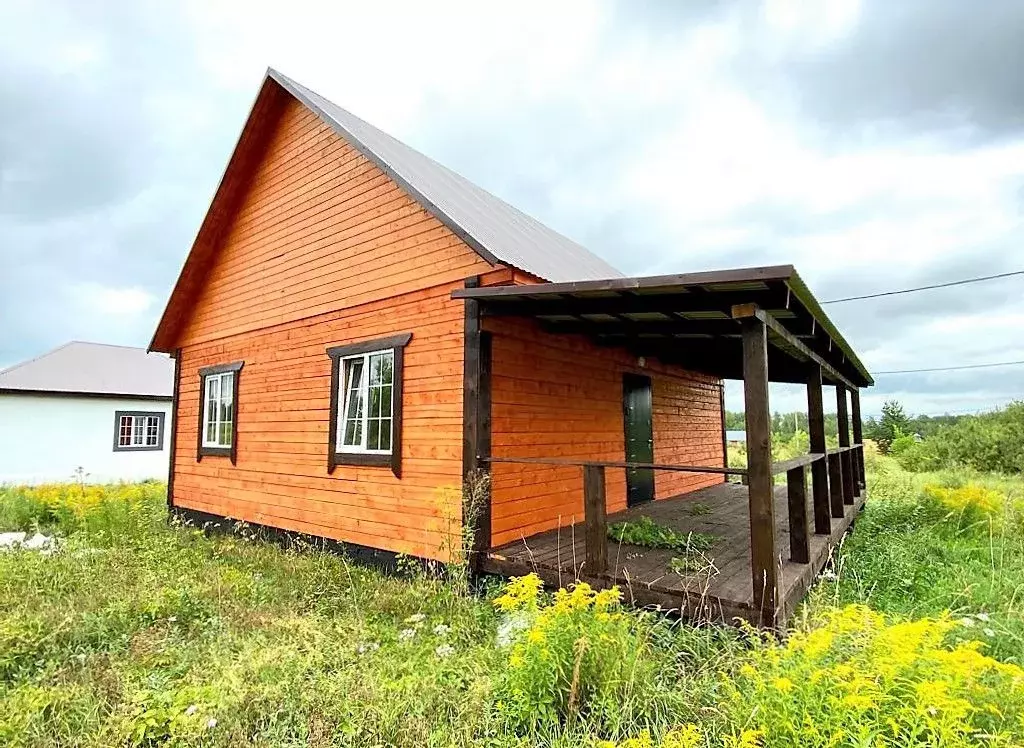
column 721, row 590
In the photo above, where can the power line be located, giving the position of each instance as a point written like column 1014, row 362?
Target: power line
column 925, row 288
column 952, row 368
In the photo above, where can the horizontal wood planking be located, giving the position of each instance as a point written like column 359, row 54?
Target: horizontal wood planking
column 320, row 228
column 324, row 250
column 283, row 408
column 560, row 396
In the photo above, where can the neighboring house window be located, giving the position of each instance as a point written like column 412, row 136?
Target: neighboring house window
column 218, row 410
column 366, row 403
column 138, row 431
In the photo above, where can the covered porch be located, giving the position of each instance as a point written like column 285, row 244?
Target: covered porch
column 760, row 325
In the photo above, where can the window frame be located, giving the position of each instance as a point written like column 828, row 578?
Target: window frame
column 394, row 344
column 202, row 448
column 135, row 414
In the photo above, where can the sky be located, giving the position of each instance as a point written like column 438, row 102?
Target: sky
column 874, row 145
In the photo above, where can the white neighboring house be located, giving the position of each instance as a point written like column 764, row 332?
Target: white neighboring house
column 103, row 408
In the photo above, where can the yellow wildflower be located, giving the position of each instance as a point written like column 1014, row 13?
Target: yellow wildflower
column 687, row 736
column 785, row 685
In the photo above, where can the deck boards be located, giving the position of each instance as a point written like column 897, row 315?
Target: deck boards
column 720, row 591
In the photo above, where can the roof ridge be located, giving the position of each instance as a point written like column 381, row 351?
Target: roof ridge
column 107, row 345
column 588, row 264
column 41, row 356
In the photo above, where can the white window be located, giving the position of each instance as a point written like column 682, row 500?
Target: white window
column 138, row 430
column 366, row 392
column 219, row 409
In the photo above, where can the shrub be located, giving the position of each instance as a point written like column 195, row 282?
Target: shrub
column 94, row 508
column 992, row 442
column 578, row 655
column 853, row 677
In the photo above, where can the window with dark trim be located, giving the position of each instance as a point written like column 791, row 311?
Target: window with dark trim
column 218, row 411
column 138, row 431
column 366, row 403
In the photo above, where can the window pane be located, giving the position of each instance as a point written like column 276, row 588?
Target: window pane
column 152, row 431
column 353, row 436
column 372, row 432
column 226, row 430
column 385, row 400
column 386, row 365
column 352, row 431
column 212, row 397
column 227, row 393
column 385, row 434
column 137, row 425
column 375, row 402
column 124, row 436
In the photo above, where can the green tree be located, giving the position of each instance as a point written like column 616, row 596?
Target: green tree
column 893, row 424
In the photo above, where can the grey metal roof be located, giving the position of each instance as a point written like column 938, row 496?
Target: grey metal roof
column 735, row 435
column 93, row 369
column 496, row 230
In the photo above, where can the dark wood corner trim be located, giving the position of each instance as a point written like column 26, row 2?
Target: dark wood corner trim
column 380, row 344
column 397, row 344
column 232, row 451
column 476, row 416
column 176, row 356
column 221, row 368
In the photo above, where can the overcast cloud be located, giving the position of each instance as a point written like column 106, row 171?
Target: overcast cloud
column 875, row 145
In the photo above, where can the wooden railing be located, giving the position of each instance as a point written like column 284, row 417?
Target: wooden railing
column 595, row 508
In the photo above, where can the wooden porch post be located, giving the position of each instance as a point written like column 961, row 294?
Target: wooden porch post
column 843, row 420
column 858, row 437
column 476, row 426
column 819, row 469
column 595, row 519
column 764, row 560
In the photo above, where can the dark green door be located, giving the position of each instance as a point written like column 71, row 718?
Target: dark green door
column 636, row 409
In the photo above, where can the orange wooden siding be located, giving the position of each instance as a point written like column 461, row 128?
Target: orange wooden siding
column 326, row 250
column 561, row 396
column 321, row 228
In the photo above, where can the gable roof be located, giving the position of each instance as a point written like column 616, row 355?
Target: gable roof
column 497, row 231
column 93, row 369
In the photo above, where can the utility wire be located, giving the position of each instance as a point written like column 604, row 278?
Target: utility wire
column 952, row 368
column 925, row 288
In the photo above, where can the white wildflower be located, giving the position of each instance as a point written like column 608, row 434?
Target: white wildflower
column 989, row 632
column 192, row 709
column 367, row 647
column 441, row 630
column 444, row 650
column 983, row 617
column 211, row 723
column 510, row 628
column 406, row 634
column 172, row 619
column 828, row 574
column 415, row 618
column 967, row 621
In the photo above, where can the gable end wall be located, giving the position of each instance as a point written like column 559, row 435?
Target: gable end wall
column 325, row 250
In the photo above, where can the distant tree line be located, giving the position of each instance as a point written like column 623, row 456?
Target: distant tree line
column 990, row 442
column 892, row 423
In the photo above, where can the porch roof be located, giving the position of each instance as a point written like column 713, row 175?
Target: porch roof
column 691, row 319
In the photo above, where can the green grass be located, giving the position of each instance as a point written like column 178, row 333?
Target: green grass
column 911, row 558
column 137, row 632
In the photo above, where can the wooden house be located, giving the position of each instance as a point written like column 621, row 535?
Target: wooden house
column 359, row 332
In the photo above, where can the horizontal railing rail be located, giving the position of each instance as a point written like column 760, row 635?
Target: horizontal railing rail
column 595, row 512
column 570, row 462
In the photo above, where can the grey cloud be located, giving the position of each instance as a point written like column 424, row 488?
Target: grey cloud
column 919, row 64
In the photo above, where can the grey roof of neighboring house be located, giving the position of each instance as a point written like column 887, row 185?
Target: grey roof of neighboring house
column 93, row 369
column 496, row 230
column 735, row 435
